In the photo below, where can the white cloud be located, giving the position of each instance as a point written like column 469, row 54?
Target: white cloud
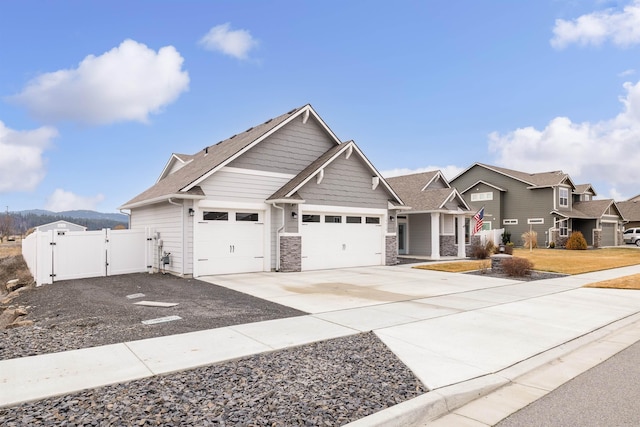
column 61, row 200
column 22, row 165
column 449, row 172
column 627, row 73
column 606, row 151
column 621, row 28
column 127, row 83
column 236, row 43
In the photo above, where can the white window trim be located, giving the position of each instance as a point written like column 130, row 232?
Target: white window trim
column 509, row 222
column 560, row 198
column 479, row 197
column 535, row 221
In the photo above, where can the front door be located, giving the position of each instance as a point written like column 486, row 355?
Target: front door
column 402, row 238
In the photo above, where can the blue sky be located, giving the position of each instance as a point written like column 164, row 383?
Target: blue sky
column 95, row 96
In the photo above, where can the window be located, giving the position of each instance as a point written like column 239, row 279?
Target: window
column 354, row 220
column 215, row 216
column 587, row 197
column 564, row 197
column 333, row 218
column 479, row 197
column 372, row 220
column 509, row 222
column 535, row 220
column 310, row 218
column 563, row 226
column 247, row 216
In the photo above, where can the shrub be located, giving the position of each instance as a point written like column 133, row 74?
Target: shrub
column 576, row 241
column 508, row 248
column 506, row 237
column 530, row 239
column 491, row 247
column 479, row 252
column 552, row 245
column 516, row 267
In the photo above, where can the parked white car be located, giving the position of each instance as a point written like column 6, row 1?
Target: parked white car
column 632, row 235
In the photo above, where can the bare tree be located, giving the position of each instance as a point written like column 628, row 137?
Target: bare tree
column 6, row 226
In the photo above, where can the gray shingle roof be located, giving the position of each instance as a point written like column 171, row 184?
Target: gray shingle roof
column 409, row 188
column 630, row 210
column 206, row 160
column 591, row 208
column 542, row 179
column 582, row 188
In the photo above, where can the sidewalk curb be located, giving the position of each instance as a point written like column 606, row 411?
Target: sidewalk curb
column 442, row 401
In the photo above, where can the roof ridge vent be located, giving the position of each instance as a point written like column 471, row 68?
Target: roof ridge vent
column 292, row 111
column 268, row 121
column 233, row 136
column 251, row 128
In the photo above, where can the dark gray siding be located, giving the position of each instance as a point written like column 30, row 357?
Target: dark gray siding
column 347, row 182
column 517, row 202
column 289, row 150
column 419, row 227
column 585, row 226
column 492, row 208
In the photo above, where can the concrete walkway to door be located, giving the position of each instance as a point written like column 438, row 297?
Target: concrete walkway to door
column 454, row 331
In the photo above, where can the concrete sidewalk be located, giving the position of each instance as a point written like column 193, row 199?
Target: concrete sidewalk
column 458, row 333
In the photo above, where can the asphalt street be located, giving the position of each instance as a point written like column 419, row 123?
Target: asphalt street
column 606, row 395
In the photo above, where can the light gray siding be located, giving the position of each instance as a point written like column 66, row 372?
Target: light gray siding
column 167, row 219
column 437, row 184
column 232, row 186
column 347, row 182
column 419, row 228
column 289, row 150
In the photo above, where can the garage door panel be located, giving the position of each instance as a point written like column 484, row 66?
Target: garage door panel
column 230, row 245
column 341, row 244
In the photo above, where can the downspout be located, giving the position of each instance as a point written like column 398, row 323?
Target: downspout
column 278, row 231
column 181, row 228
column 128, row 216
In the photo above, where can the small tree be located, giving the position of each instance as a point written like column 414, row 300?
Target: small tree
column 576, row 241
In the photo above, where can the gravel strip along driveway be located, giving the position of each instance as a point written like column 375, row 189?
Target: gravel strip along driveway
column 329, row 383
column 83, row 313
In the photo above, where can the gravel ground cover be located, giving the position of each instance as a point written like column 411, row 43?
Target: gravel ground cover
column 534, row 275
column 83, row 313
column 329, row 383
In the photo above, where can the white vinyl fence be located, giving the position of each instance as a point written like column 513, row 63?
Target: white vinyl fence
column 494, row 235
column 61, row 255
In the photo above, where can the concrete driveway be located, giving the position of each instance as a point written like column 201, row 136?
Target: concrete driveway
column 449, row 327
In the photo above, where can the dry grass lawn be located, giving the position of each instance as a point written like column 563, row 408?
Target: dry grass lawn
column 7, row 250
column 565, row 262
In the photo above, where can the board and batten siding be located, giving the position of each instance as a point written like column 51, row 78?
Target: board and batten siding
column 517, row 202
column 289, row 150
column 419, row 228
column 346, row 182
column 166, row 219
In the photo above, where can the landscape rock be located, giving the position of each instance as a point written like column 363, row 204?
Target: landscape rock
column 20, row 323
column 14, row 284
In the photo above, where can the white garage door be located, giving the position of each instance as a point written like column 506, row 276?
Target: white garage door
column 229, row 241
column 337, row 241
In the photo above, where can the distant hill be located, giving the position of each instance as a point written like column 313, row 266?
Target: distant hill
column 80, row 214
column 22, row 221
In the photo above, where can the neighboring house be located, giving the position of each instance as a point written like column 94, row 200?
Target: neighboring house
column 434, row 226
column 548, row 203
column 631, row 211
column 285, row 195
column 60, row 225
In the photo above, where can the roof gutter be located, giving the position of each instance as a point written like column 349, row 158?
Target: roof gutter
column 161, row 199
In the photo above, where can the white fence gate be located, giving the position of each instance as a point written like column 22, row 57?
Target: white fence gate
column 63, row 255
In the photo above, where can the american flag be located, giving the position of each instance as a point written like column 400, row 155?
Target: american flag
column 478, row 217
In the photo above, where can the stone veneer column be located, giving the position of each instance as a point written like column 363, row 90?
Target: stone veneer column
column 290, row 253
column 391, row 250
column 597, row 238
column 448, row 246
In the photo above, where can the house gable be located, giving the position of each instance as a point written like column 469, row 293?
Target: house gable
column 290, row 149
